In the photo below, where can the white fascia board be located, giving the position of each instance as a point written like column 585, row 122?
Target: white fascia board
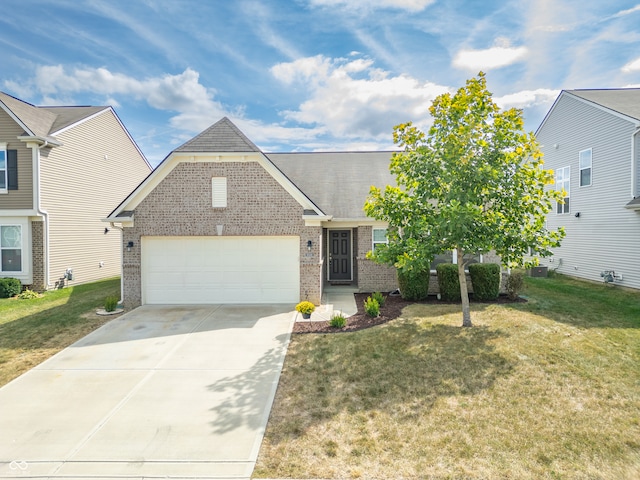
column 48, row 141
column 316, row 220
column 19, row 213
column 358, row 222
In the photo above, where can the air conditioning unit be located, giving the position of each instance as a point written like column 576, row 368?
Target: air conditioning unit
column 538, row 272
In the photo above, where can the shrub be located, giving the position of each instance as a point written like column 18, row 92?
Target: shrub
column 448, row 282
column 378, row 297
column 413, row 285
column 485, row 278
column 372, row 307
column 306, row 308
column 27, row 294
column 514, row 285
column 338, row 320
column 9, row 287
column 110, row 303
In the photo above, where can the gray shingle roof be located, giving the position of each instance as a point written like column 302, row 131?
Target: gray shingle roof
column 621, row 100
column 222, row 136
column 66, row 116
column 46, row 121
column 337, row 182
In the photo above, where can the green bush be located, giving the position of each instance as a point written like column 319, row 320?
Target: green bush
column 448, row 282
column 9, row 287
column 514, row 285
column 110, row 303
column 378, row 297
column 338, row 320
column 485, row 278
column 413, row 285
column 372, row 307
column 27, row 294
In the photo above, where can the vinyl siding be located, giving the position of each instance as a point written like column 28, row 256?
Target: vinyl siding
column 23, row 197
column 605, row 236
column 82, row 182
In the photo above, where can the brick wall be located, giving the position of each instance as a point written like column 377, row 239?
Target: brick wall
column 372, row 276
column 257, row 205
column 37, row 257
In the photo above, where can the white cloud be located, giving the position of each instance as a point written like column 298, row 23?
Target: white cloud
column 360, row 5
column 180, row 93
column 527, row 98
column 632, row 66
column 500, row 55
column 351, row 98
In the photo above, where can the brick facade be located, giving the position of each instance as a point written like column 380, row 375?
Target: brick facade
column 257, row 205
column 39, row 283
column 372, row 276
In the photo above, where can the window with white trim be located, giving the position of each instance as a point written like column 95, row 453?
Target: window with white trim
column 3, row 168
column 562, row 183
column 585, row 167
column 379, row 237
column 219, row 192
column 10, row 248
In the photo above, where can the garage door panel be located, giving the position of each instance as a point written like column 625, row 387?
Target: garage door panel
column 220, row 270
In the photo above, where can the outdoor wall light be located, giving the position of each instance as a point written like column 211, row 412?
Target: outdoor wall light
column 577, row 214
column 129, row 245
column 309, row 244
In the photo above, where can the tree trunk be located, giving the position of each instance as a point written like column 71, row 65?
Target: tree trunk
column 464, row 294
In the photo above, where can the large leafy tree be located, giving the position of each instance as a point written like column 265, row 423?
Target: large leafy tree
column 473, row 184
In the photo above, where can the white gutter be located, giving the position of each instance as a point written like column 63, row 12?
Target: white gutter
column 37, row 203
column 113, row 225
column 634, row 164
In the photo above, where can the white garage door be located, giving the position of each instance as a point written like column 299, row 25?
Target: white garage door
column 183, row 270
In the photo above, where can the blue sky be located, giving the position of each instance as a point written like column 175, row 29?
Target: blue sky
column 307, row 75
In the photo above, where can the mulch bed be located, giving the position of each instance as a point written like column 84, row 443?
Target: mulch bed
column 392, row 308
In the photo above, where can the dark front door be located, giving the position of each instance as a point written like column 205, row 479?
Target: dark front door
column 340, row 255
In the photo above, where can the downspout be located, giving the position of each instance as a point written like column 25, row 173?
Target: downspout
column 113, row 225
column 38, row 204
column 634, row 164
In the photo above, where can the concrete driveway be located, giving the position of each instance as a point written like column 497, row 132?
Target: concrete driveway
column 162, row 391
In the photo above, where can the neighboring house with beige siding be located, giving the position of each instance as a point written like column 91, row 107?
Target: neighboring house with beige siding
column 61, row 171
column 591, row 139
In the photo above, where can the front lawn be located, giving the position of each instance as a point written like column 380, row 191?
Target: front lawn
column 548, row 389
column 33, row 330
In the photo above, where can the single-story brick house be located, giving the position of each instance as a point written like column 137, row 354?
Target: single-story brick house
column 219, row 221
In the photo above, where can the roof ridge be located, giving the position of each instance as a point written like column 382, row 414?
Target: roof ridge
column 222, row 136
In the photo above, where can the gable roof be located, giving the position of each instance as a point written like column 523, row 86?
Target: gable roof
column 625, row 101
column 338, row 182
column 224, row 141
column 45, row 122
column 222, row 136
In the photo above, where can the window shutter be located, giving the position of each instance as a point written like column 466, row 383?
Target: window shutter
column 12, row 169
column 219, row 192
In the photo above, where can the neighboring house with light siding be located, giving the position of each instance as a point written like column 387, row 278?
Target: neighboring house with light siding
column 61, row 170
column 591, row 139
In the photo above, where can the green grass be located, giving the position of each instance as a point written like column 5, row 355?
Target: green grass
column 548, row 389
column 32, row 330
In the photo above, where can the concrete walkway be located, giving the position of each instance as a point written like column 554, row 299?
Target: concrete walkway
column 178, row 392
column 334, row 299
